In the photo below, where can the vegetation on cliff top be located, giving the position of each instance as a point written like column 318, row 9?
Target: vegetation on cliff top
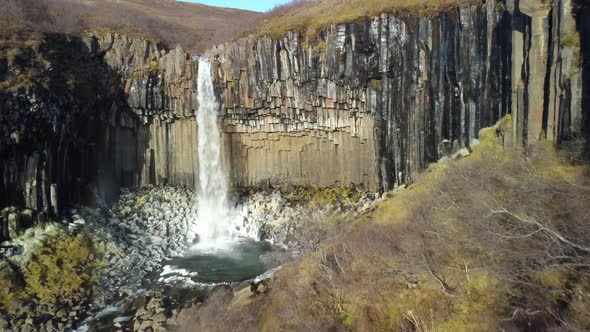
column 311, row 16
column 496, row 241
column 194, row 26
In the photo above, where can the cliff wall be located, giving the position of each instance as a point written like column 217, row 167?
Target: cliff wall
column 371, row 102
column 399, row 90
column 161, row 91
column 82, row 117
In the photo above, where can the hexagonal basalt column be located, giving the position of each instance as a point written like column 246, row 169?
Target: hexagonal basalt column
column 538, row 55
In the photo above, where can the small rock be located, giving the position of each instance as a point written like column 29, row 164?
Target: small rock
column 61, row 313
column 122, row 319
column 145, row 325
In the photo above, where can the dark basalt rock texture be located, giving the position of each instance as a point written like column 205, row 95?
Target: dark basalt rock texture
column 407, row 89
column 82, row 117
column 59, row 114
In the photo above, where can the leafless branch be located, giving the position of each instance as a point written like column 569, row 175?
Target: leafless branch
column 541, row 227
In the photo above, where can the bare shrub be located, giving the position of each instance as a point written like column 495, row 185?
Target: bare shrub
column 524, row 223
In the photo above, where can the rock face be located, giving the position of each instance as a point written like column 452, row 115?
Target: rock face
column 60, row 116
column 161, row 90
column 546, row 77
column 369, row 103
column 83, row 117
column 374, row 102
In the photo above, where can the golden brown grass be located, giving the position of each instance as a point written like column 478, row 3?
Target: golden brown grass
column 194, row 26
column 315, row 16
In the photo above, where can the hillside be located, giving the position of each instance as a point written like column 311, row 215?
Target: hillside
column 496, row 241
column 196, row 27
column 310, row 16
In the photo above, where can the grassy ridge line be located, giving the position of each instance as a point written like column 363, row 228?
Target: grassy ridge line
column 312, row 17
column 194, row 26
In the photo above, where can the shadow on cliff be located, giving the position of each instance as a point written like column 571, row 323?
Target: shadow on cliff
column 582, row 8
column 63, row 111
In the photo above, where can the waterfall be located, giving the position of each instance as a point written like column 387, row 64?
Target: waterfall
column 214, row 215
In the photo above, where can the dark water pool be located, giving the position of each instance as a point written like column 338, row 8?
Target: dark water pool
column 235, row 262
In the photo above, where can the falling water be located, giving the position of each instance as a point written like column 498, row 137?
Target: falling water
column 214, row 215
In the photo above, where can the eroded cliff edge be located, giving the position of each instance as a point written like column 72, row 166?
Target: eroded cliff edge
column 369, row 103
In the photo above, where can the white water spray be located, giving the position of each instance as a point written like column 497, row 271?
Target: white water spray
column 214, row 215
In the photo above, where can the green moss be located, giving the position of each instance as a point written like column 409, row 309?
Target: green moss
column 13, row 54
column 33, row 44
column 141, row 202
column 320, row 47
column 572, row 40
column 580, row 304
column 137, row 74
column 489, row 135
column 345, row 317
column 22, row 81
column 377, row 84
column 313, row 195
column 154, row 66
column 505, row 124
column 61, row 269
column 10, row 289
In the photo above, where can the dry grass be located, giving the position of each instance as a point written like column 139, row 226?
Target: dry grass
column 196, row 27
column 496, row 241
column 314, row 16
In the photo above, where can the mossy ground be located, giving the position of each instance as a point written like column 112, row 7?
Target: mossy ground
column 572, row 40
column 60, row 271
column 313, row 195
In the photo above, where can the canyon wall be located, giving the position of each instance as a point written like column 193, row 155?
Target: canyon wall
column 369, row 103
column 161, row 91
column 82, row 117
column 59, row 106
column 398, row 91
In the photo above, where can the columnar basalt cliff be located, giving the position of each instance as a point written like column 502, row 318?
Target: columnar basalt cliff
column 161, row 91
column 399, row 90
column 370, row 103
column 83, row 117
column 59, row 103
